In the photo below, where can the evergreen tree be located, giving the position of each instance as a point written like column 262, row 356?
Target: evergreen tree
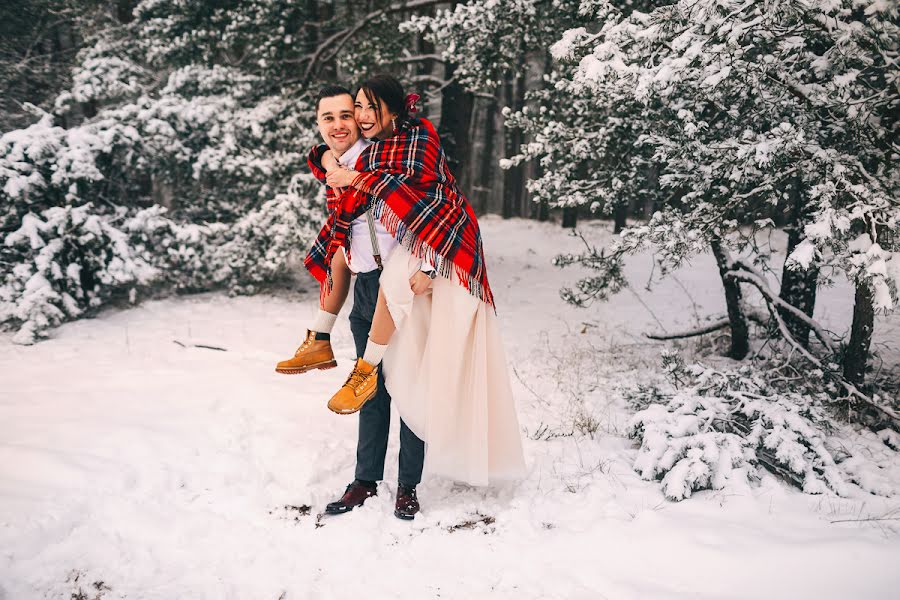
column 746, row 109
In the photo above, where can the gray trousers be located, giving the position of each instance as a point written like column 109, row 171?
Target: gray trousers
column 375, row 415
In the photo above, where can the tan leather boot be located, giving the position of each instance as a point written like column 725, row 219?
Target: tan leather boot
column 361, row 386
column 312, row 354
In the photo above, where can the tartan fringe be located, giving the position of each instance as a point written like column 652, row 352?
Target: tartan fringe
column 446, row 268
column 325, row 287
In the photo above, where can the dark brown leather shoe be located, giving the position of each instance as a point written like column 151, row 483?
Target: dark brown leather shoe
column 407, row 504
column 355, row 494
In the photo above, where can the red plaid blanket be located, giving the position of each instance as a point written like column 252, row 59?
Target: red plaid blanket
column 406, row 181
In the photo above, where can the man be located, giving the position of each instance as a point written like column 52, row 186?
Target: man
column 340, row 132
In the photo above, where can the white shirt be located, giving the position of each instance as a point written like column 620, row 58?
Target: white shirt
column 362, row 259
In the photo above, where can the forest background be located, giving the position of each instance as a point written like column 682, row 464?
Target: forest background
column 158, row 146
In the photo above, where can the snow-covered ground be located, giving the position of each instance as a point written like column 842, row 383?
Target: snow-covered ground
column 135, row 467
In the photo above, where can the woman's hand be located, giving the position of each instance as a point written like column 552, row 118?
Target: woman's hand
column 419, row 283
column 341, row 178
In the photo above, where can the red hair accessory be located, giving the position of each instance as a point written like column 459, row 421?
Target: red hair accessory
column 411, row 100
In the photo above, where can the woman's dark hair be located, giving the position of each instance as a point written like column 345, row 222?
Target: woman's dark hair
column 390, row 91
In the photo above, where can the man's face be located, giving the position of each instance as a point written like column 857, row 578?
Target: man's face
column 336, row 122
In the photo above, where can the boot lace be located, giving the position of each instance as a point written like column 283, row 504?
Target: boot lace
column 356, row 379
column 306, row 344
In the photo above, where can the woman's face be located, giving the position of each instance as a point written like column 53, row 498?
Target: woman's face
column 367, row 117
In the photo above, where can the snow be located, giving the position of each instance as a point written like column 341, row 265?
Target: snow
column 169, row 471
column 804, row 254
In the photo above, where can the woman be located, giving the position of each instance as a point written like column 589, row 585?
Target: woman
column 445, row 366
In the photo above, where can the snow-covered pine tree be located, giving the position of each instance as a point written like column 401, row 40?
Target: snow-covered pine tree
column 748, row 109
column 493, row 45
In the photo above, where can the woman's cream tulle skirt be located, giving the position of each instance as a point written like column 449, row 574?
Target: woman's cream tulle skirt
column 446, row 371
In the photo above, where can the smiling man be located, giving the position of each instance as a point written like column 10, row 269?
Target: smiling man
column 335, row 118
column 341, row 134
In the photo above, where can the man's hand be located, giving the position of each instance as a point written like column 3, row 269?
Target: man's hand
column 329, row 161
column 419, row 283
column 340, row 178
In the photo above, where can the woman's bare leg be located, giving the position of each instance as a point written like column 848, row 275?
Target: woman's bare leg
column 382, row 323
column 380, row 333
column 330, row 304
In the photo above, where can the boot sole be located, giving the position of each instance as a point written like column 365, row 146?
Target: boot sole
column 351, row 411
column 297, row 370
column 404, row 517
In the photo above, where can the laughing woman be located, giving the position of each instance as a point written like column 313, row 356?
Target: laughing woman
column 443, row 359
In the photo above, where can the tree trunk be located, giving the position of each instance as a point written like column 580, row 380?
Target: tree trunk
column 857, row 353
column 513, row 178
column 798, row 286
column 484, row 178
column 456, row 114
column 620, row 215
column 543, row 209
column 652, row 191
column 570, row 217
column 521, row 189
column 740, row 332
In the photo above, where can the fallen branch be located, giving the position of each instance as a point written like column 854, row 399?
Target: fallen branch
column 204, row 346
column 867, row 520
column 858, row 395
column 714, row 326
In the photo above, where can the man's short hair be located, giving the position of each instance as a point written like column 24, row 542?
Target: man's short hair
column 330, row 91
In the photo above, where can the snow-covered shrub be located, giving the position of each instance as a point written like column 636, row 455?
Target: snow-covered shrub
column 64, row 261
column 184, row 253
column 46, row 165
column 261, row 247
column 724, row 424
column 262, row 243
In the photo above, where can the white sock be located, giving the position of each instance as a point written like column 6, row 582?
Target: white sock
column 374, row 352
column 324, row 322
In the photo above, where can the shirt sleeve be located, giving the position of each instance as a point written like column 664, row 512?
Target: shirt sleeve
column 314, row 160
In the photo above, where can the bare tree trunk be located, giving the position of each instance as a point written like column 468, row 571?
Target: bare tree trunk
column 487, row 164
column 513, row 179
column 570, row 217
column 857, row 353
column 798, row 286
column 511, row 176
column 652, row 190
column 543, row 211
column 620, row 216
column 456, row 115
column 740, row 332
